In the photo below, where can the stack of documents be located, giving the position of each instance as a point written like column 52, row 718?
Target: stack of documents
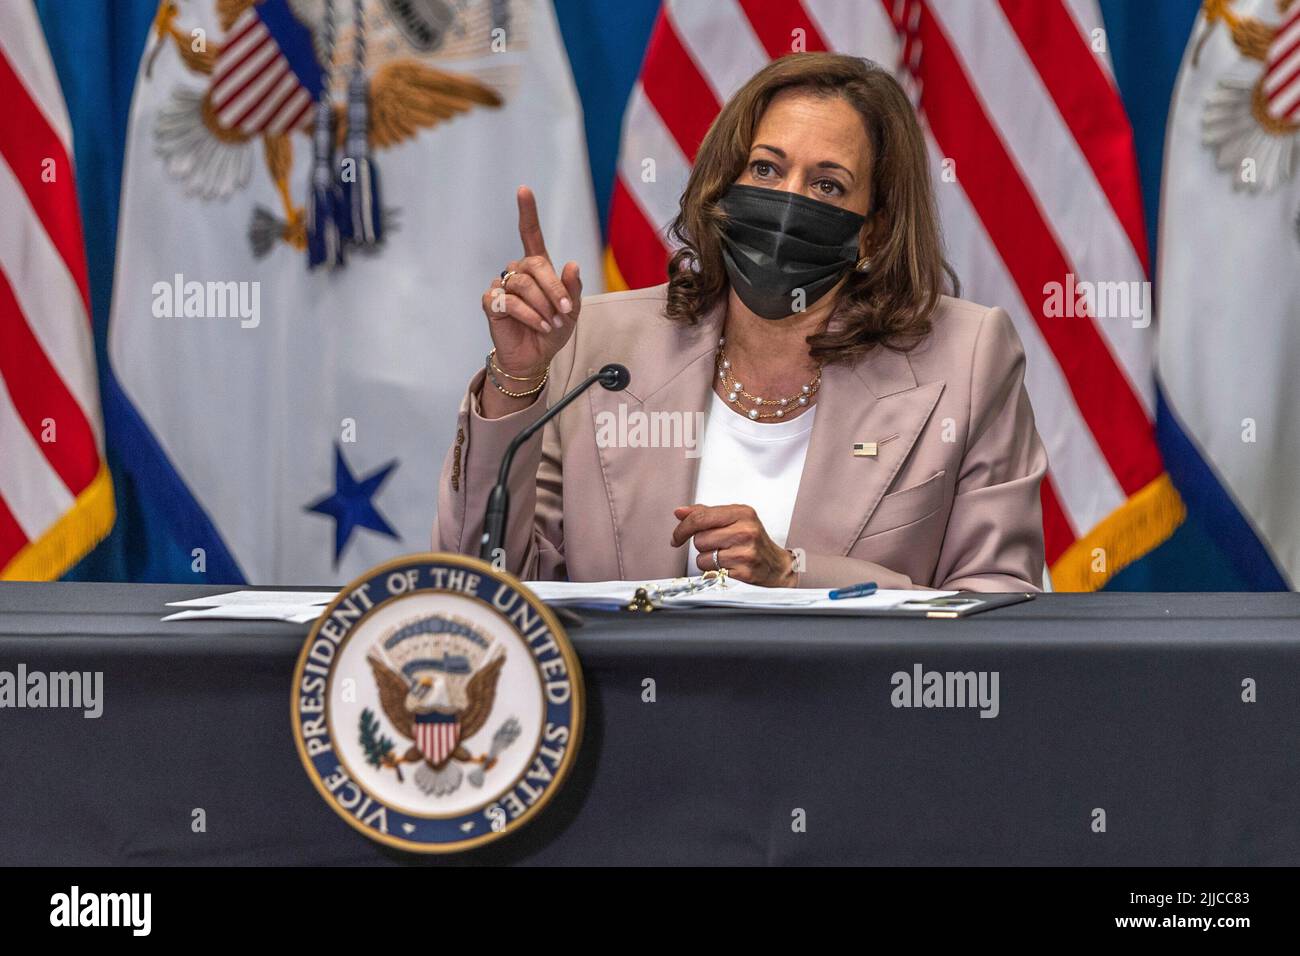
column 616, row 595
column 303, row 607
column 299, row 607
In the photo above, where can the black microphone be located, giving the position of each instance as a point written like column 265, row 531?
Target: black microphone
column 614, row 377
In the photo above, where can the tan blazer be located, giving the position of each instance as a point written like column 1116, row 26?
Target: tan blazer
column 949, row 501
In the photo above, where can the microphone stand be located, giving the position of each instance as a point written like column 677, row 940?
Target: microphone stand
column 614, row 377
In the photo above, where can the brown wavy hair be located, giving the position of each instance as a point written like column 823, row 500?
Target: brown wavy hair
column 892, row 302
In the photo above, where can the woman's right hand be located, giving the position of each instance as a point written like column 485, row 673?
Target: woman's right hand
column 533, row 316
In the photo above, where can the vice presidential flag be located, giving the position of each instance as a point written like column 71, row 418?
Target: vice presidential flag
column 316, row 195
column 56, row 499
column 1229, row 286
column 1037, row 188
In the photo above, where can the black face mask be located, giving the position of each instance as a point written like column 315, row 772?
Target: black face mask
column 775, row 242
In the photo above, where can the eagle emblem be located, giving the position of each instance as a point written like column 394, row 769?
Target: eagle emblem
column 437, row 703
column 347, row 77
column 437, row 681
column 1252, row 118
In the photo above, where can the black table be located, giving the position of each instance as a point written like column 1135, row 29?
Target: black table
column 1124, row 702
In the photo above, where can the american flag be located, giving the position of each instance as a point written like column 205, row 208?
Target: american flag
column 56, row 498
column 255, row 86
column 1282, row 72
column 1036, row 180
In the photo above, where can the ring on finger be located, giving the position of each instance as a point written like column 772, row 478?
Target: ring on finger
column 717, row 565
column 506, row 275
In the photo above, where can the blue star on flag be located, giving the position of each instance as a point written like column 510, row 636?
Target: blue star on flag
column 351, row 505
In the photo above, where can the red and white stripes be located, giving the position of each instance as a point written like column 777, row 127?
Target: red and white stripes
column 1282, row 74
column 1018, row 101
column 437, row 739
column 253, row 88
column 55, row 497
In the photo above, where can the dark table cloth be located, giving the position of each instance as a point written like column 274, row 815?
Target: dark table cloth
column 1127, row 703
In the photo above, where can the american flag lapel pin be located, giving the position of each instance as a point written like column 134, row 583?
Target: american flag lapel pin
column 869, row 449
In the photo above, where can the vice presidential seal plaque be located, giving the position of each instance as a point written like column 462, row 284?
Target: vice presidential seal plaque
column 437, row 704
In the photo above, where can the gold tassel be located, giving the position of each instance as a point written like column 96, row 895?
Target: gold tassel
column 1128, row 533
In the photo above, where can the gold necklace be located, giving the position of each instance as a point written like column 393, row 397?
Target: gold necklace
column 736, row 391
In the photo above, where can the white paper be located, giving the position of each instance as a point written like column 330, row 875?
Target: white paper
column 259, row 598
column 884, row 599
column 296, row 613
column 809, row 598
column 610, row 595
column 740, row 594
column 613, row 595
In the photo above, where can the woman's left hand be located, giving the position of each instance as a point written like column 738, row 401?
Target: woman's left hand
column 743, row 546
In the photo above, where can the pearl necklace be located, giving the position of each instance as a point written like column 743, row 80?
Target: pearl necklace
column 735, row 391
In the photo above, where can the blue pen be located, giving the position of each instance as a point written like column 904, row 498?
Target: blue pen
column 857, row 590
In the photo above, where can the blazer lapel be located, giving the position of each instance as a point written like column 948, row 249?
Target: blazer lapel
column 876, row 400
column 645, row 484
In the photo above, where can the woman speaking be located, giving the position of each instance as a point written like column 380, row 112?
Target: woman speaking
column 861, row 425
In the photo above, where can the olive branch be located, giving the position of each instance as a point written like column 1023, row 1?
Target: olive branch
column 378, row 748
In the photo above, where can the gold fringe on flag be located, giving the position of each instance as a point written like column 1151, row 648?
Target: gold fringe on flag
column 1129, row 532
column 70, row 538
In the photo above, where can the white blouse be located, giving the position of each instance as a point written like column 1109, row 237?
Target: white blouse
column 755, row 463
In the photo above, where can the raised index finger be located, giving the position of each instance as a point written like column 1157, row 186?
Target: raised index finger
column 530, row 227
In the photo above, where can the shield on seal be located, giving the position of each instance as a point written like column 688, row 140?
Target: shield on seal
column 437, row 735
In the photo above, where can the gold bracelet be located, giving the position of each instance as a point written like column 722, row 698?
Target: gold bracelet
column 497, row 368
column 505, row 391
